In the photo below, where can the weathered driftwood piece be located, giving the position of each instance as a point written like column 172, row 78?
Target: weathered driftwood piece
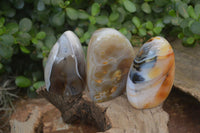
column 187, row 73
column 114, row 116
column 79, row 108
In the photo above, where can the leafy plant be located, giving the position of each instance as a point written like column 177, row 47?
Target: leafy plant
column 28, row 28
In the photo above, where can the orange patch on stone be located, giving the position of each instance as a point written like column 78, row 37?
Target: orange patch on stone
column 113, row 89
column 155, row 71
column 98, row 81
column 105, row 62
column 165, row 88
column 150, row 40
column 148, row 105
column 117, row 75
column 157, row 38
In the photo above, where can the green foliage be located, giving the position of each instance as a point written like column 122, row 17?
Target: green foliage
column 22, row 82
column 29, row 28
column 129, row 6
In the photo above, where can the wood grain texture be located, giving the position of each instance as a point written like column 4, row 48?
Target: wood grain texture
column 187, row 72
column 31, row 125
column 113, row 116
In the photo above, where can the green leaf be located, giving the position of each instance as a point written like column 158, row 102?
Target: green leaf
column 123, row 31
column 142, row 32
column 172, row 13
column 10, row 13
column 50, row 41
column 92, row 20
column 85, row 37
column 181, row 35
column 176, row 21
column 161, row 2
column 72, row 13
column 128, row 35
column 102, row 20
column 83, row 15
column 56, row 2
column 95, row 9
column 2, row 30
column 182, row 9
column 197, row 37
column 79, row 31
column 114, row 16
column 186, row 1
column 47, row 2
column 134, row 31
column 146, row 8
column 1, row 66
column 150, row 33
column 12, row 28
column 22, row 82
column 39, row 45
column 156, row 8
column 40, row 5
column 191, row 12
column 129, row 6
column 197, row 10
column 2, row 21
column 41, row 35
column 34, row 40
column 190, row 40
column 129, row 25
column 6, row 52
column 159, row 23
column 122, row 14
column 32, row 89
column 58, row 19
column 136, row 21
column 185, row 22
column 19, row 4
column 191, row 22
column 195, row 28
column 38, row 84
column 25, row 24
column 167, row 19
column 67, row 3
column 91, row 28
column 24, row 39
column 149, row 25
column 25, row 50
column 37, row 75
column 157, row 30
column 187, row 32
column 7, row 39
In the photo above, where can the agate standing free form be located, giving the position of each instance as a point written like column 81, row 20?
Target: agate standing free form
column 109, row 58
column 151, row 75
column 65, row 67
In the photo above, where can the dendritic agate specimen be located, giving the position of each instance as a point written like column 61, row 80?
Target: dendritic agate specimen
column 151, row 75
column 109, row 58
column 65, row 67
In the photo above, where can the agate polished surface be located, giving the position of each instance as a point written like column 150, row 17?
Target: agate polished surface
column 109, row 58
column 65, row 67
column 151, row 75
